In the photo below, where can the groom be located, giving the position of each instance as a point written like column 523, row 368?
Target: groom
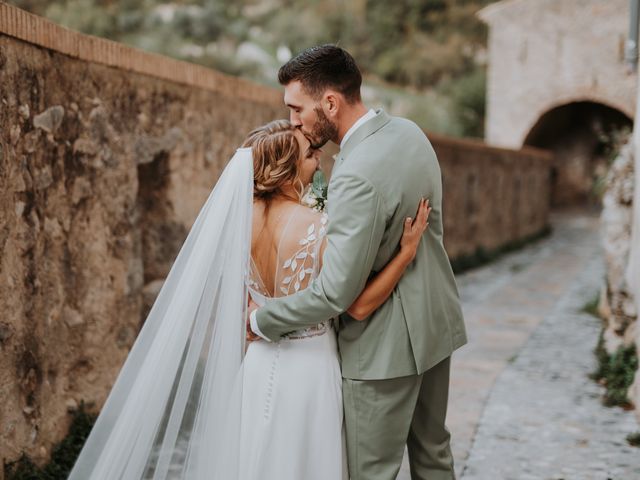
column 395, row 364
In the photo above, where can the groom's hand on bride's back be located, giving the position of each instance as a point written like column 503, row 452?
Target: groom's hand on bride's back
column 251, row 307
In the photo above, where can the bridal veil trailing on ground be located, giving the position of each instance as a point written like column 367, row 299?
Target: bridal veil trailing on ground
column 174, row 410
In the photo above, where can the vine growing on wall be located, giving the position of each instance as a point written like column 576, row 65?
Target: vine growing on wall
column 616, row 373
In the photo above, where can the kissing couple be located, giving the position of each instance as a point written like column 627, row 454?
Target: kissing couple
column 289, row 343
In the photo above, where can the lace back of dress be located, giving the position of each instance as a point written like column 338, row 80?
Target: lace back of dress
column 286, row 254
column 299, row 253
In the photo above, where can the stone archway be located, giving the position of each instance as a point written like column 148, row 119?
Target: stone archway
column 582, row 135
column 544, row 54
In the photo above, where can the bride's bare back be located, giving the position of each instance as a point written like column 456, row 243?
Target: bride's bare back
column 286, row 247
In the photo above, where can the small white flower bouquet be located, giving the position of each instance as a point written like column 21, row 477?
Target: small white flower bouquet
column 316, row 195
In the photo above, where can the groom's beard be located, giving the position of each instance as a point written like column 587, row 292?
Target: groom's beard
column 323, row 130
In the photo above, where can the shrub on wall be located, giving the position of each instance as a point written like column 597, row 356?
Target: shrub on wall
column 63, row 455
column 616, row 372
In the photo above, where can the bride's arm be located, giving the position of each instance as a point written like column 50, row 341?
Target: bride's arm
column 379, row 288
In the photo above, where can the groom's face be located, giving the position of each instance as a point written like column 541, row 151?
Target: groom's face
column 306, row 114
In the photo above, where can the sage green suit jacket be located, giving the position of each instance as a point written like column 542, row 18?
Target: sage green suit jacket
column 380, row 174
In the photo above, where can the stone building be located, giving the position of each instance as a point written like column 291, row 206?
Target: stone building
column 557, row 80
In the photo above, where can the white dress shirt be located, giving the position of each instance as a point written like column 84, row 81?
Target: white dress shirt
column 367, row 116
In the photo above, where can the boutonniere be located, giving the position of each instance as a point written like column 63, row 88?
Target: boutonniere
column 316, row 196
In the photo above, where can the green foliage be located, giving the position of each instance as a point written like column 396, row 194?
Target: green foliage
column 430, row 109
column 468, row 95
column 420, row 42
column 591, row 307
column 63, row 455
column 634, row 439
column 320, row 188
column 431, row 47
column 616, row 373
column 611, row 142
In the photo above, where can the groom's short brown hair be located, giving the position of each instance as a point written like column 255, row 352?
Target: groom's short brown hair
column 323, row 67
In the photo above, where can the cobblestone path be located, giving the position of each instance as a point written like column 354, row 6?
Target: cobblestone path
column 522, row 406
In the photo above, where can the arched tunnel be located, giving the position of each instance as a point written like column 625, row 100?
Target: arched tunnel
column 584, row 137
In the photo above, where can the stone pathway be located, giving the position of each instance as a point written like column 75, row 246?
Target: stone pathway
column 521, row 404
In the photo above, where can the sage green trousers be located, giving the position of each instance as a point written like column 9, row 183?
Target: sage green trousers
column 382, row 416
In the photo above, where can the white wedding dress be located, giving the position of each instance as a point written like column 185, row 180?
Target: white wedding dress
column 292, row 414
column 190, row 402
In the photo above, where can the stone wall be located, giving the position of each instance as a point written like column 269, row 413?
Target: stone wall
column 618, row 305
column 106, row 155
column 102, row 171
column 547, row 53
column 492, row 196
column 633, row 270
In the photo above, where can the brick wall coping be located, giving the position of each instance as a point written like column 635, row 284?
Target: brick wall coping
column 39, row 31
column 479, row 146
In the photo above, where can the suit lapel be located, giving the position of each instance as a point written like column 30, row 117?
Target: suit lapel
column 368, row 128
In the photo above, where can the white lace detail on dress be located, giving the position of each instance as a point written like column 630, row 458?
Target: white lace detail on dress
column 295, row 273
column 305, row 265
column 304, row 261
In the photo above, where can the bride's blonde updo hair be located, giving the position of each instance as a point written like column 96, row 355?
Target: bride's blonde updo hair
column 275, row 152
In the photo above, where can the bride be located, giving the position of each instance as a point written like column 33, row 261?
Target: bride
column 192, row 401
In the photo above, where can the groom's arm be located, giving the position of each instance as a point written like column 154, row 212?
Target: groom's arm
column 356, row 227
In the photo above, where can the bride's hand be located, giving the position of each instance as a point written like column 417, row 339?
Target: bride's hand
column 413, row 230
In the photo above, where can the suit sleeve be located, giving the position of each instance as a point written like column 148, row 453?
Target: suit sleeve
column 355, row 230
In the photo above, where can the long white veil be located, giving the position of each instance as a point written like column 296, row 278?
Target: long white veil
column 174, row 410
